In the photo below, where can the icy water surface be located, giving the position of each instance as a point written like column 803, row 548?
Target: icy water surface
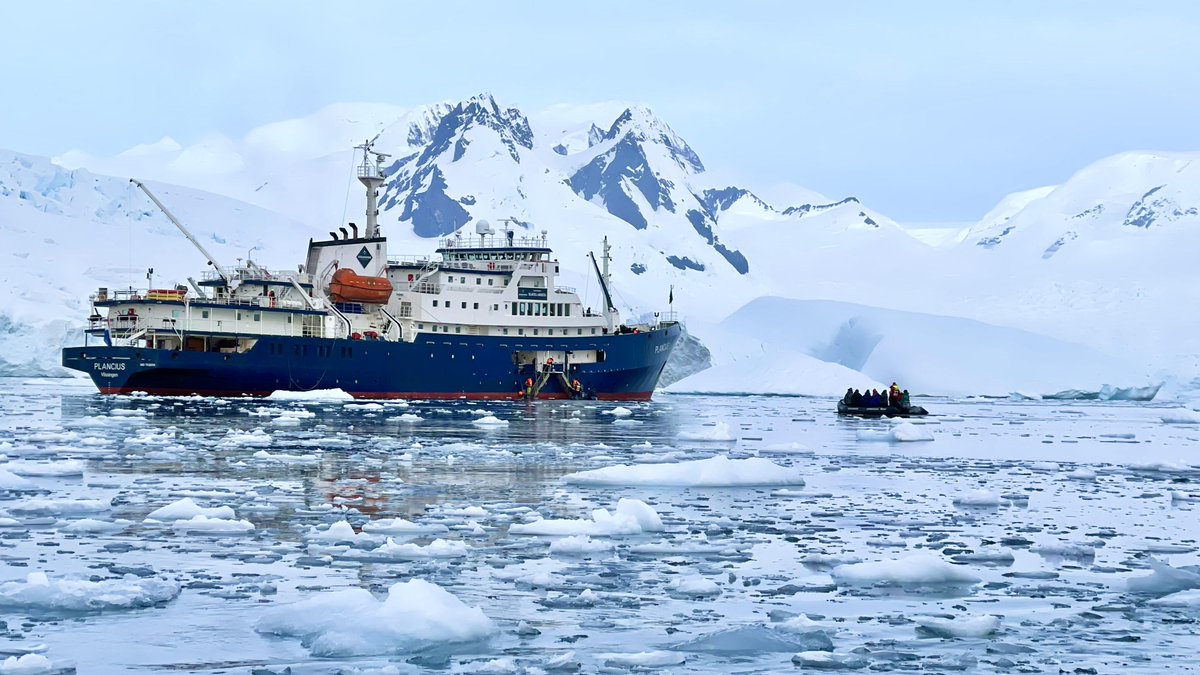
column 1020, row 539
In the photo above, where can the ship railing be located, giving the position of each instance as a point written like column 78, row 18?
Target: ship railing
column 254, row 301
column 669, row 316
column 564, row 289
column 478, row 265
column 425, row 287
column 483, row 241
column 409, row 260
column 474, row 289
column 254, row 273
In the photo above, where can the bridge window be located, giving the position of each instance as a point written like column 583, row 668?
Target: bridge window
column 458, row 329
column 204, row 314
column 237, row 315
column 520, row 331
column 506, row 331
column 478, row 281
column 476, row 306
column 435, row 303
column 491, row 282
column 535, row 331
column 567, row 306
column 464, row 305
column 258, row 316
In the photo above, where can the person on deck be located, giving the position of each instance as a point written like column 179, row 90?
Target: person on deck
column 884, row 399
column 856, row 400
column 849, row 397
column 873, row 399
column 894, row 391
column 904, row 400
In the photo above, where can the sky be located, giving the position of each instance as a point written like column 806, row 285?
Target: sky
column 928, row 112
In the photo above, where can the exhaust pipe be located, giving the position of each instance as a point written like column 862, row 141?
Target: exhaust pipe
column 333, row 235
column 354, row 228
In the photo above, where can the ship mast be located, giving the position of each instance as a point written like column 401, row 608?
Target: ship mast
column 370, row 174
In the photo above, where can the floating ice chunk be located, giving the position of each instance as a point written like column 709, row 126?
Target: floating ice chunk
column 187, row 508
column 1177, row 496
column 93, row 526
column 26, row 664
column 60, row 507
column 504, row 666
column 1189, row 598
column 909, row 432
column 1160, row 467
column 38, row 591
column 1045, row 466
column 921, row 569
column 415, row 614
column 757, row 639
column 489, row 421
column 696, row 586
column 632, row 516
column 338, row 532
column 962, row 627
column 1181, row 416
column 719, row 433
column 469, row 511
column 818, row 660
column 619, row 411
column 255, row 439
column 578, row 545
column 66, row 467
column 1082, row 473
column 363, row 406
column 13, row 482
column 719, row 471
column 202, row 523
column 654, row 659
column 406, row 418
column 1163, row 579
column 798, row 624
column 282, row 457
column 438, row 548
column 316, row 395
column 977, row 498
column 1024, row 396
column 398, row 526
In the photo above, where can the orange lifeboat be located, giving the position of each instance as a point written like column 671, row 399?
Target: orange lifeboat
column 346, row 286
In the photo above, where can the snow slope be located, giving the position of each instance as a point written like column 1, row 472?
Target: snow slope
column 67, row 233
column 778, row 345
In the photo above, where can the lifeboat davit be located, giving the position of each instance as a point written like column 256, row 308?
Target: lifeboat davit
column 346, row 286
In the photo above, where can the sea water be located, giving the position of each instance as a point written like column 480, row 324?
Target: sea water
column 688, row 534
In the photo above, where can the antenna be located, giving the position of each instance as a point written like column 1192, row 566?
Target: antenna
column 370, row 174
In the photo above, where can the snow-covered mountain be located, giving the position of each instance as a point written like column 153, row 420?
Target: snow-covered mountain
column 616, row 170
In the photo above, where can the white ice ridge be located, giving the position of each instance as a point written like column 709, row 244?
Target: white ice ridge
column 921, row 569
column 959, row 627
column 38, row 591
column 719, row 471
column 414, row 615
column 27, row 664
column 632, row 516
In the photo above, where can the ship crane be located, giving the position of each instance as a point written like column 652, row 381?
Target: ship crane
column 229, row 282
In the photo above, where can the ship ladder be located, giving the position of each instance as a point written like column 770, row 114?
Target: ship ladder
column 537, row 386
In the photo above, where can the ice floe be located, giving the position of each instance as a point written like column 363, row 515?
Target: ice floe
column 958, row 627
column 415, row 614
column 26, row 664
column 188, row 508
column 921, row 569
column 315, row 395
column 631, row 516
column 438, row 548
column 718, row 433
column 65, row 467
column 38, row 591
column 719, row 471
column 205, row 524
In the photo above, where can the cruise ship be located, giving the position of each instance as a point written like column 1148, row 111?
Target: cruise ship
column 483, row 319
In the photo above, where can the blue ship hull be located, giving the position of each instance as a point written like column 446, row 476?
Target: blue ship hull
column 434, row 366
